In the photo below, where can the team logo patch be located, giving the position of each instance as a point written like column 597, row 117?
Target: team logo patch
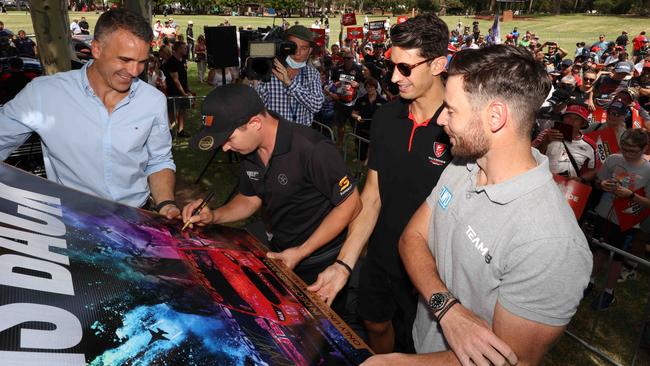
column 206, row 143
column 282, row 179
column 344, row 185
column 445, row 197
column 439, row 149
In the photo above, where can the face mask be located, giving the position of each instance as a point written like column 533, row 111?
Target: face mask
column 295, row 65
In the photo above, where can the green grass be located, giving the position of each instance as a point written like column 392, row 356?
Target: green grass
column 618, row 326
column 564, row 29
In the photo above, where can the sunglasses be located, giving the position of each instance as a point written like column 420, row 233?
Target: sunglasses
column 588, row 80
column 405, row 69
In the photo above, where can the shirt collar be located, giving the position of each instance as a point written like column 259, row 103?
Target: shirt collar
column 506, row 192
column 85, row 83
column 283, row 136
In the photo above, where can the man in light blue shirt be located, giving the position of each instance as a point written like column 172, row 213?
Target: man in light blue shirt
column 103, row 131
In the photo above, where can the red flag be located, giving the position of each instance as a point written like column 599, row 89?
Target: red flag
column 401, row 19
column 319, row 36
column 599, row 115
column 629, row 212
column 348, row 19
column 376, row 35
column 604, row 143
column 355, row 33
column 575, row 192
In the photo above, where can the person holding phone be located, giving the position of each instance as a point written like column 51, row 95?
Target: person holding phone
column 568, row 154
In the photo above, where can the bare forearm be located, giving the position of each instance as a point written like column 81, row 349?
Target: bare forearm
column 362, row 226
column 424, row 359
column 239, row 208
column 416, row 256
column 161, row 185
column 332, row 225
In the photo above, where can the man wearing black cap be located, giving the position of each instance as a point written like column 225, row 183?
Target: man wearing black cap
column 294, row 91
column 292, row 171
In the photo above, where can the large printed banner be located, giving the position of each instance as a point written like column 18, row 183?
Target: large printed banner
column 88, row 281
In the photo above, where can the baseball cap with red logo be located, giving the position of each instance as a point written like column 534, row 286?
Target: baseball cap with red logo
column 578, row 110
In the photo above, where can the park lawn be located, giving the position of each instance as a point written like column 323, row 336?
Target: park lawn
column 618, row 326
column 564, row 29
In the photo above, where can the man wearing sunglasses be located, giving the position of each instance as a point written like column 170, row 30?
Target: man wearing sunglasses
column 408, row 152
column 495, row 251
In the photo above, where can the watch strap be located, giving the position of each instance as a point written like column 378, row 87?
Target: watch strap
column 444, row 311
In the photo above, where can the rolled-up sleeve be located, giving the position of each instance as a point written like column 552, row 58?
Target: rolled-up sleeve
column 159, row 143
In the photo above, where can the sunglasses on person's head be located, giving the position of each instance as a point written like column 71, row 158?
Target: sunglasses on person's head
column 405, row 69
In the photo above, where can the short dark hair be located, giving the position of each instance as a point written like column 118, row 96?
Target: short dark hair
column 635, row 137
column 505, row 72
column 426, row 32
column 115, row 19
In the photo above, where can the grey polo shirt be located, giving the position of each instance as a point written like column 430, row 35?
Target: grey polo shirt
column 516, row 242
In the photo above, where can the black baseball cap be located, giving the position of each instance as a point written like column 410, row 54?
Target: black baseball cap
column 229, row 106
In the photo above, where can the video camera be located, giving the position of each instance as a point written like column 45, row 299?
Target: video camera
column 263, row 48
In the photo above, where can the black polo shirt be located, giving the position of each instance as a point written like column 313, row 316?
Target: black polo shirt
column 304, row 180
column 409, row 159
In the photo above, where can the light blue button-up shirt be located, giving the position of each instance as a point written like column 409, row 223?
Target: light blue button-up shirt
column 85, row 147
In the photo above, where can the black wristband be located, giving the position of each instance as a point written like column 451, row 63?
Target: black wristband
column 165, row 203
column 345, row 265
column 446, row 309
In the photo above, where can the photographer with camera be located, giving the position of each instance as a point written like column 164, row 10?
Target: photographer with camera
column 294, row 91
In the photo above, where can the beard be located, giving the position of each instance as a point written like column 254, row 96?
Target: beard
column 473, row 144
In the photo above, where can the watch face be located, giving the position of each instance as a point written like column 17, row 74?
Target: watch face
column 437, row 301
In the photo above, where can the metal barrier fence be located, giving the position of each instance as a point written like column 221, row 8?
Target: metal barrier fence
column 597, row 317
column 324, row 128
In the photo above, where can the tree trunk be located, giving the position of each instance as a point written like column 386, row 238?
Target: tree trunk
column 530, row 7
column 492, row 5
column 51, row 26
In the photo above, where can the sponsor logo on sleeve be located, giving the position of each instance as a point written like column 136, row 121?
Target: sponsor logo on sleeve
column 445, row 198
column 253, row 174
column 344, row 185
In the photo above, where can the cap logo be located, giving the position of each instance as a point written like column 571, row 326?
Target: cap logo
column 206, row 143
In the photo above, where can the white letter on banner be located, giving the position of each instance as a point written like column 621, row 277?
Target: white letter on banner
column 31, row 199
column 68, row 330
column 61, row 281
column 36, row 246
column 10, row 358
